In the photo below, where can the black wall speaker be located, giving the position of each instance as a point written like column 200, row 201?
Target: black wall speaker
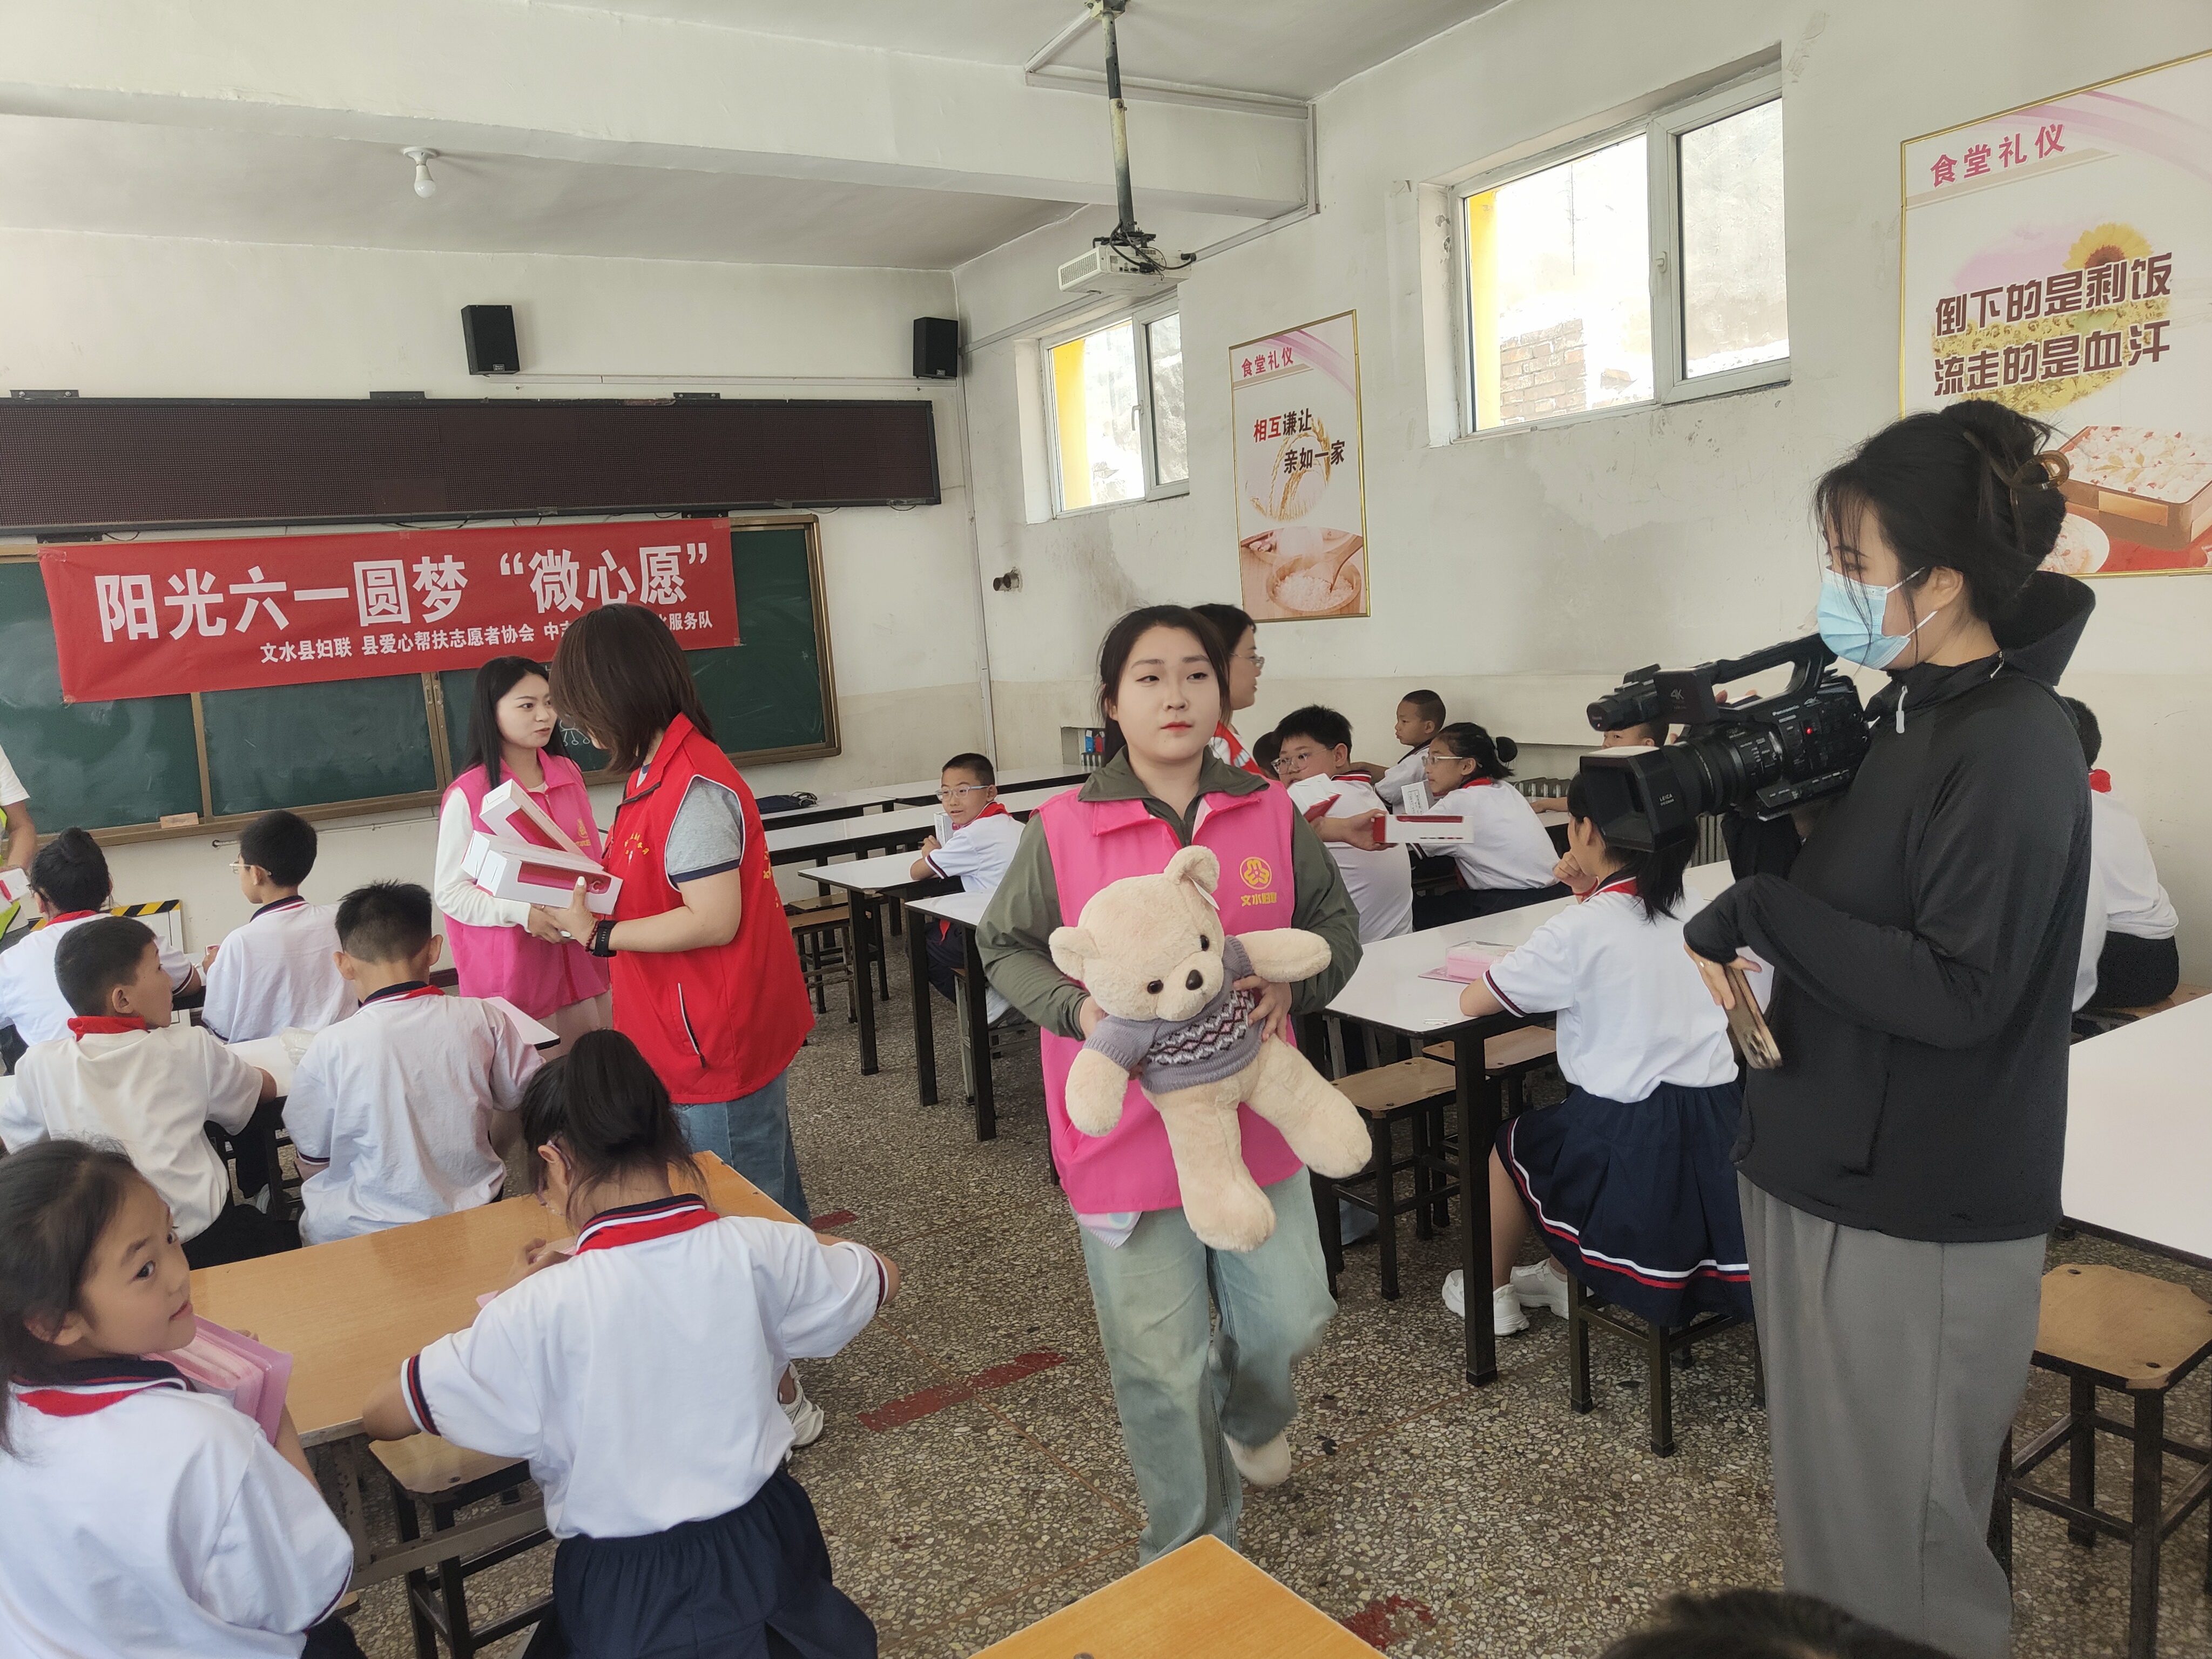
column 935, row 348
column 488, row 333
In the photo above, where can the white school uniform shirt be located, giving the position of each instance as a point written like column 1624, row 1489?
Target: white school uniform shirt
column 1633, row 1010
column 11, row 787
column 147, row 1519
column 1381, row 882
column 1511, row 849
column 30, row 998
column 149, row 1091
column 397, row 1100
column 1391, row 786
column 277, row 973
column 639, row 1377
column 979, row 852
column 2134, row 902
column 2094, row 927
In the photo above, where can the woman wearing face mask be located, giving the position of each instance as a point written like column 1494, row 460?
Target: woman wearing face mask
column 1899, row 1173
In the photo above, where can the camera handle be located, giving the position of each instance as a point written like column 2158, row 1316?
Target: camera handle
column 1689, row 692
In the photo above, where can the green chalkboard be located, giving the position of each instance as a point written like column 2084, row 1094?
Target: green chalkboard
column 95, row 764
column 771, row 696
column 310, row 745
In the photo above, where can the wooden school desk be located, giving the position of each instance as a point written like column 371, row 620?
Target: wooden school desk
column 350, row 1312
column 2139, row 1133
column 964, row 910
column 871, row 831
column 1204, row 1598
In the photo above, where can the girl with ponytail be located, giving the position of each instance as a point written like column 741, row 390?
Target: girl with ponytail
column 639, row 1375
column 1506, row 860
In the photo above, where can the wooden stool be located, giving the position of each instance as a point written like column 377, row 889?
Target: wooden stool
column 1664, row 1347
column 1386, row 1095
column 2102, row 1328
column 428, row 1470
column 823, row 934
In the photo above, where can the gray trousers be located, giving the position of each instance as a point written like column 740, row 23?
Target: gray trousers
column 1893, row 1369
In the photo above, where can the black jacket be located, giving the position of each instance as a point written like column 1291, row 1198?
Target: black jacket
column 1925, row 947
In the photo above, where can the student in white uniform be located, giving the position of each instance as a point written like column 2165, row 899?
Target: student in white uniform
column 1647, row 736
column 406, row 1110
column 143, row 1517
column 976, row 854
column 122, row 1073
column 70, row 880
column 2132, row 961
column 1314, row 762
column 21, row 842
column 639, row 1377
column 1420, row 717
column 1507, row 862
column 1628, row 1181
column 280, row 970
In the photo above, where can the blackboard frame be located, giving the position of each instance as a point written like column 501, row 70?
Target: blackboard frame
column 434, row 713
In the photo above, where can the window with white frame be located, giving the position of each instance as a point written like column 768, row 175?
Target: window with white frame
column 1114, row 395
column 1644, row 264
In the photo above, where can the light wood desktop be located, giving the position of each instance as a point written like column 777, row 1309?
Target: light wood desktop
column 2138, row 1134
column 1204, row 1598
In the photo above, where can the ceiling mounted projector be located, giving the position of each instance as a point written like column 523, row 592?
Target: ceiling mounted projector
column 1108, row 268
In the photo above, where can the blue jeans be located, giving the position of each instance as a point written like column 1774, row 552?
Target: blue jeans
column 753, row 1137
column 1179, row 1385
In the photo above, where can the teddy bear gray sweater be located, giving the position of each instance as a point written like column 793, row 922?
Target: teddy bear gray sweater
column 1217, row 1041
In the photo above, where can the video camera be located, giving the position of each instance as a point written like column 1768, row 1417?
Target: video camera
column 1763, row 756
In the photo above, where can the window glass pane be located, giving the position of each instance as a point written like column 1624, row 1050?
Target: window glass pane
column 1170, row 441
column 1559, row 284
column 1094, row 400
column 1735, row 295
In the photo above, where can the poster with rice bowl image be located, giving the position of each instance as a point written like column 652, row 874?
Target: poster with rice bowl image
column 2057, row 258
column 1301, row 493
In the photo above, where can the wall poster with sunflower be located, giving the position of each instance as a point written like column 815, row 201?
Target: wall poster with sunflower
column 1301, row 494
column 2058, row 258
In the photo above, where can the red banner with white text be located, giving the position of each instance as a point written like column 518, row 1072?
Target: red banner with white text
column 146, row 619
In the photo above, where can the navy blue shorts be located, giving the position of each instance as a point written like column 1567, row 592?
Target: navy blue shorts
column 1638, row 1202
column 722, row 1587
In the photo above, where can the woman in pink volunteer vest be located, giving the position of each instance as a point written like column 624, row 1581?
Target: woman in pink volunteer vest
column 501, row 947
column 1196, row 1414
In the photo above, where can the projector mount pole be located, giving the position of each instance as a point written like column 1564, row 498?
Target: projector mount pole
column 1106, row 11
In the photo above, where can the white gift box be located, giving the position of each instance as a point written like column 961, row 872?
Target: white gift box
column 15, row 885
column 508, row 812
column 537, row 875
column 1427, row 827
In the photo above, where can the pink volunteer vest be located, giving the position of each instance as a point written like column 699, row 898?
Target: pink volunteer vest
column 535, row 975
column 1093, row 843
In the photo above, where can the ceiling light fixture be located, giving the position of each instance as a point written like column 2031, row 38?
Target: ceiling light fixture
column 425, row 186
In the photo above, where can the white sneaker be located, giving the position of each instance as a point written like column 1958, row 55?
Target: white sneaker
column 1505, row 1316
column 806, row 1418
column 1538, row 1286
column 1262, row 1466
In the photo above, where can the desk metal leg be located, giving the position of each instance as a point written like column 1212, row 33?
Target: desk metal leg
column 925, row 1028
column 1477, row 1129
column 865, row 944
column 979, row 1038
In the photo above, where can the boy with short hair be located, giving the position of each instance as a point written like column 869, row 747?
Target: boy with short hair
column 70, row 880
column 404, row 1111
column 280, row 970
column 122, row 1073
column 1420, row 717
column 1314, row 761
column 977, row 851
column 1266, row 749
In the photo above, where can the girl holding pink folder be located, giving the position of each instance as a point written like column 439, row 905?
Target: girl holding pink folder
column 501, row 947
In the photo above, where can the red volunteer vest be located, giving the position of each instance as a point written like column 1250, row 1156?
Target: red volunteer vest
column 717, row 1023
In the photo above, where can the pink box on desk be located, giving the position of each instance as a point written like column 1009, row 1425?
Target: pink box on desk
column 1425, row 827
column 509, row 812
column 249, row 1375
column 537, row 875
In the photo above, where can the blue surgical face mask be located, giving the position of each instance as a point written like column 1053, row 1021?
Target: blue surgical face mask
column 1851, row 613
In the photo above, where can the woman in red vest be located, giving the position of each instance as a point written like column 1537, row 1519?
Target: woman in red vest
column 706, row 982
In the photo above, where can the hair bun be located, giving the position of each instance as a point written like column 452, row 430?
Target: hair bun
column 1507, row 749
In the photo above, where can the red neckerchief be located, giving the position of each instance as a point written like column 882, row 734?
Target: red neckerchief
column 1627, row 886
column 633, row 1223
column 1239, row 757
column 995, row 808
column 405, row 991
column 72, row 916
column 85, row 1026
column 93, row 1385
column 291, row 903
column 2100, row 780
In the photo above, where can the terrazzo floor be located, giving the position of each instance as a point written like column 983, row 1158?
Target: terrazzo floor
column 972, row 1480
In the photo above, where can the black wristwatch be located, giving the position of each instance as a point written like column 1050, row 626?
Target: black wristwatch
column 602, row 942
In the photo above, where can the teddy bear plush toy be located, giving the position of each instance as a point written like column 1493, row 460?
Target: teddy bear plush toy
column 1152, row 952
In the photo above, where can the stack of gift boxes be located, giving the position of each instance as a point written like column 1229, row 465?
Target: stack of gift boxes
column 525, row 855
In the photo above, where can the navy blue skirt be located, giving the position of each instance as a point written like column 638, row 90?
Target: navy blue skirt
column 719, row 1587
column 1638, row 1202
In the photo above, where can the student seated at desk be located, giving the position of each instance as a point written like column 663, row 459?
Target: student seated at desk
column 1267, row 752
column 123, row 1074
column 280, row 970
column 1420, row 717
column 1313, row 761
column 639, row 1377
column 1648, row 735
column 143, row 1517
column 2135, row 962
column 70, row 880
column 406, row 1110
column 976, row 853
column 1628, row 1180
column 1508, row 863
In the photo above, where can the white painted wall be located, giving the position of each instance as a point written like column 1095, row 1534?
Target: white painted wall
column 123, row 316
column 1517, row 572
